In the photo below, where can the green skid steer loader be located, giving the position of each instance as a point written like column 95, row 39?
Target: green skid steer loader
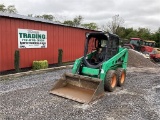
column 102, row 68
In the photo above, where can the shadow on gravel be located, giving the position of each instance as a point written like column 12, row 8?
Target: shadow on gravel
column 30, row 68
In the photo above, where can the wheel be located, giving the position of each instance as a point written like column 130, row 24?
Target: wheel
column 121, row 75
column 110, row 82
column 156, row 59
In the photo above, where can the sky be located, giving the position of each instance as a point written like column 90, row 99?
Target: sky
column 135, row 13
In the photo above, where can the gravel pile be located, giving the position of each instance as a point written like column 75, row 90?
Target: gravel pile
column 136, row 59
column 28, row 98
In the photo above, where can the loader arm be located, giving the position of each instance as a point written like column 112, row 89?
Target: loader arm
column 119, row 60
column 78, row 63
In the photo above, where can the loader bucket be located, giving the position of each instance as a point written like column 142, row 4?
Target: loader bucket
column 78, row 88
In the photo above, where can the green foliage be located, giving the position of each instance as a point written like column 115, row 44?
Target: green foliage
column 131, row 33
column 45, row 16
column 36, row 16
column 60, row 56
column 114, row 24
column 68, row 22
column 91, row 26
column 2, row 8
column 9, row 9
column 42, row 64
column 142, row 33
column 75, row 22
column 30, row 15
column 48, row 17
column 156, row 36
column 16, row 60
column 121, row 32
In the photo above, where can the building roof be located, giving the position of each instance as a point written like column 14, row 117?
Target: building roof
column 23, row 17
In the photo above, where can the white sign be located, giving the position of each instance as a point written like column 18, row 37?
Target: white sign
column 32, row 38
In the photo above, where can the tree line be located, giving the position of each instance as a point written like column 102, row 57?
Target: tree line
column 9, row 9
column 114, row 26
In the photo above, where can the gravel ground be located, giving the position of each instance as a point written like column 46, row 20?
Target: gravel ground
column 28, row 98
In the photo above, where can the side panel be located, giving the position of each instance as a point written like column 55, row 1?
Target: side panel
column 119, row 60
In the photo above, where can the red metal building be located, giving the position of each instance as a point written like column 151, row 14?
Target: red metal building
column 59, row 36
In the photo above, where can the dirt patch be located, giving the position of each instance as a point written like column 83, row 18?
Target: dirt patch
column 136, row 59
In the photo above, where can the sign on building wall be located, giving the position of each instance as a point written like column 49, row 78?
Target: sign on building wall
column 32, row 38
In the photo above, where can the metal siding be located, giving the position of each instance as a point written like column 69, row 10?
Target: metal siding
column 25, row 51
column 30, row 55
column 20, row 25
column 0, row 45
column 3, row 57
column 38, row 53
column 5, row 46
column 70, row 39
column 67, row 48
column 55, row 44
column 50, row 44
column 43, row 50
column 65, row 44
column 13, row 37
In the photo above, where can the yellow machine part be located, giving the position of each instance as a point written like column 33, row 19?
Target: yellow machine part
column 79, row 88
column 156, row 50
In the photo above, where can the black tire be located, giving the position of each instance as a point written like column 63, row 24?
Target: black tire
column 110, row 82
column 156, row 59
column 121, row 76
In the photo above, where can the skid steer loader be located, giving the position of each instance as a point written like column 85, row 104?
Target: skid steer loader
column 102, row 68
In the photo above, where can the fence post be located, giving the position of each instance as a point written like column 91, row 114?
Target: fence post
column 16, row 60
column 60, row 56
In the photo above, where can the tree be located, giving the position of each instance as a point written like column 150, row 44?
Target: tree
column 131, row 34
column 11, row 9
column 2, row 8
column 44, row 16
column 121, row 32
column 115, row 24
column 157, row 37
column 91, row 26
column 69, row 22
column 77, row 21
column 48, row 17
column 143, row 33
column 30, row 15
column 38, row 16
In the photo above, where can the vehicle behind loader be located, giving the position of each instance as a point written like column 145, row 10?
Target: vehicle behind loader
column 102, row 68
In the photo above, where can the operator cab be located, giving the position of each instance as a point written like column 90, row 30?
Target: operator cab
column 99, row 47
column 137, row 43
column 149, row 43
